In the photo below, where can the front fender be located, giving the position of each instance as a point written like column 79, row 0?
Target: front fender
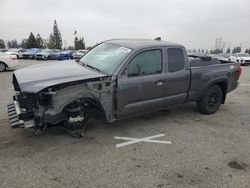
column 61, row 98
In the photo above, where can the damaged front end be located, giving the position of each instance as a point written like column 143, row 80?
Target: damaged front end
column 21, row 110
column 69, row 104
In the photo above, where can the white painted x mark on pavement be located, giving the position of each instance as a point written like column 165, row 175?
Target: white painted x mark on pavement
column 137, row 140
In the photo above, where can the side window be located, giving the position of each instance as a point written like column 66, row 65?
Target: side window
column 146, row 63
column 175, row 59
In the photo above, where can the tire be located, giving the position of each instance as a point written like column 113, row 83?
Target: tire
column 211, row 101
column 2, row 67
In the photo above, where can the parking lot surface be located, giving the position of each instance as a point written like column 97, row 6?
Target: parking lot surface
column 205, row 150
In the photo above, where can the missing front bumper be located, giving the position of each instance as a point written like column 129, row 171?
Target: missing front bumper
column 14, row 113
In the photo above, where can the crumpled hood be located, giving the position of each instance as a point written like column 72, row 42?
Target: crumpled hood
column 37, row 77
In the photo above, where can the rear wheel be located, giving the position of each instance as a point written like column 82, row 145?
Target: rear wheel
column 211, row 101
column 2, row 67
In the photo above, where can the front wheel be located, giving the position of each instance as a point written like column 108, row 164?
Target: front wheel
column 211, row 101
column 2, row 67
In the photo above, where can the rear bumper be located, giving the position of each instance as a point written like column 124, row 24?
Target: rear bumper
column 15, row 114
column 245, row 62
column 234, row 86
column 13, row 64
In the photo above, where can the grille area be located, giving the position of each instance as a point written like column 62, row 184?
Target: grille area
column 27, row 101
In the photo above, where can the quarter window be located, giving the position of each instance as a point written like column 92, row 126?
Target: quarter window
column 146, row 63
column 175, row 59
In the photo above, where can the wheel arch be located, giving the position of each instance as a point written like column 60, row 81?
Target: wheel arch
column 222, row 83
column 93, row 102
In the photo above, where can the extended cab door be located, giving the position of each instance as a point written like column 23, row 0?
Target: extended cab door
column 142, row 83
column 178, row 76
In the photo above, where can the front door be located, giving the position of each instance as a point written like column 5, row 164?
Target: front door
column 142, row 84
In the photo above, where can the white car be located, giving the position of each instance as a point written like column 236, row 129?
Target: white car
column 79, row 53
column 8, row 62
column 242, row 59
column 16, row 51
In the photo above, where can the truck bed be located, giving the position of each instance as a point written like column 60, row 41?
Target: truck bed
column 203, row 73
column 197, row 61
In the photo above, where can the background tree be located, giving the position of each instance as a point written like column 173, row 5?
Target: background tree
column 216, row 51
column 91, row 47
column 2, row 44
column 79, row 43
column 31, row 42
column 39, row 41
column 228, row 51
column 247, row 51
column 70, row 48
column 24, row 43
column 57, row 36
column 237, row 49
column 76, row 42
column 51, row 43
column 12, row 44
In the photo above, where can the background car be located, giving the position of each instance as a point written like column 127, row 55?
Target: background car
column 79, row 53
column 224, row 57
column 3, row 50
column 240, row 58
column 8, row 61
column 16, row 51
column 48, row 54
column 67, row 54
column 64, row 55
column 71, row 53
column 31, row 53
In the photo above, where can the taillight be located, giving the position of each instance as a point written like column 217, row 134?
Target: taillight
column 239, row 71
column 13, row 57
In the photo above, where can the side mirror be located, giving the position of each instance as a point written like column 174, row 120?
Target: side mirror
column 124, row 72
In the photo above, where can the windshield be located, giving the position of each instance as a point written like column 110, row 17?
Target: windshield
column 82, row 51
column 243, row 55
column 13, row 50
column 46, row 51
column 32, row 50
column 105, row 57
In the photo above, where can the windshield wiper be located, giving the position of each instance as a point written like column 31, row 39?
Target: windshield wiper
column 81, row 63
column 93, row 67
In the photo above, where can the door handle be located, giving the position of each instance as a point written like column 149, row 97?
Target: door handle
column 140, row 86
column 159, row 82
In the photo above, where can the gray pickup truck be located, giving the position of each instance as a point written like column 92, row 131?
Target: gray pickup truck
column 115, row 80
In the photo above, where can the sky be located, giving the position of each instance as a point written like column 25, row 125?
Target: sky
column 193, row 23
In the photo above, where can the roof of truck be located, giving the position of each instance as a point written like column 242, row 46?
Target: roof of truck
column 142, row 43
